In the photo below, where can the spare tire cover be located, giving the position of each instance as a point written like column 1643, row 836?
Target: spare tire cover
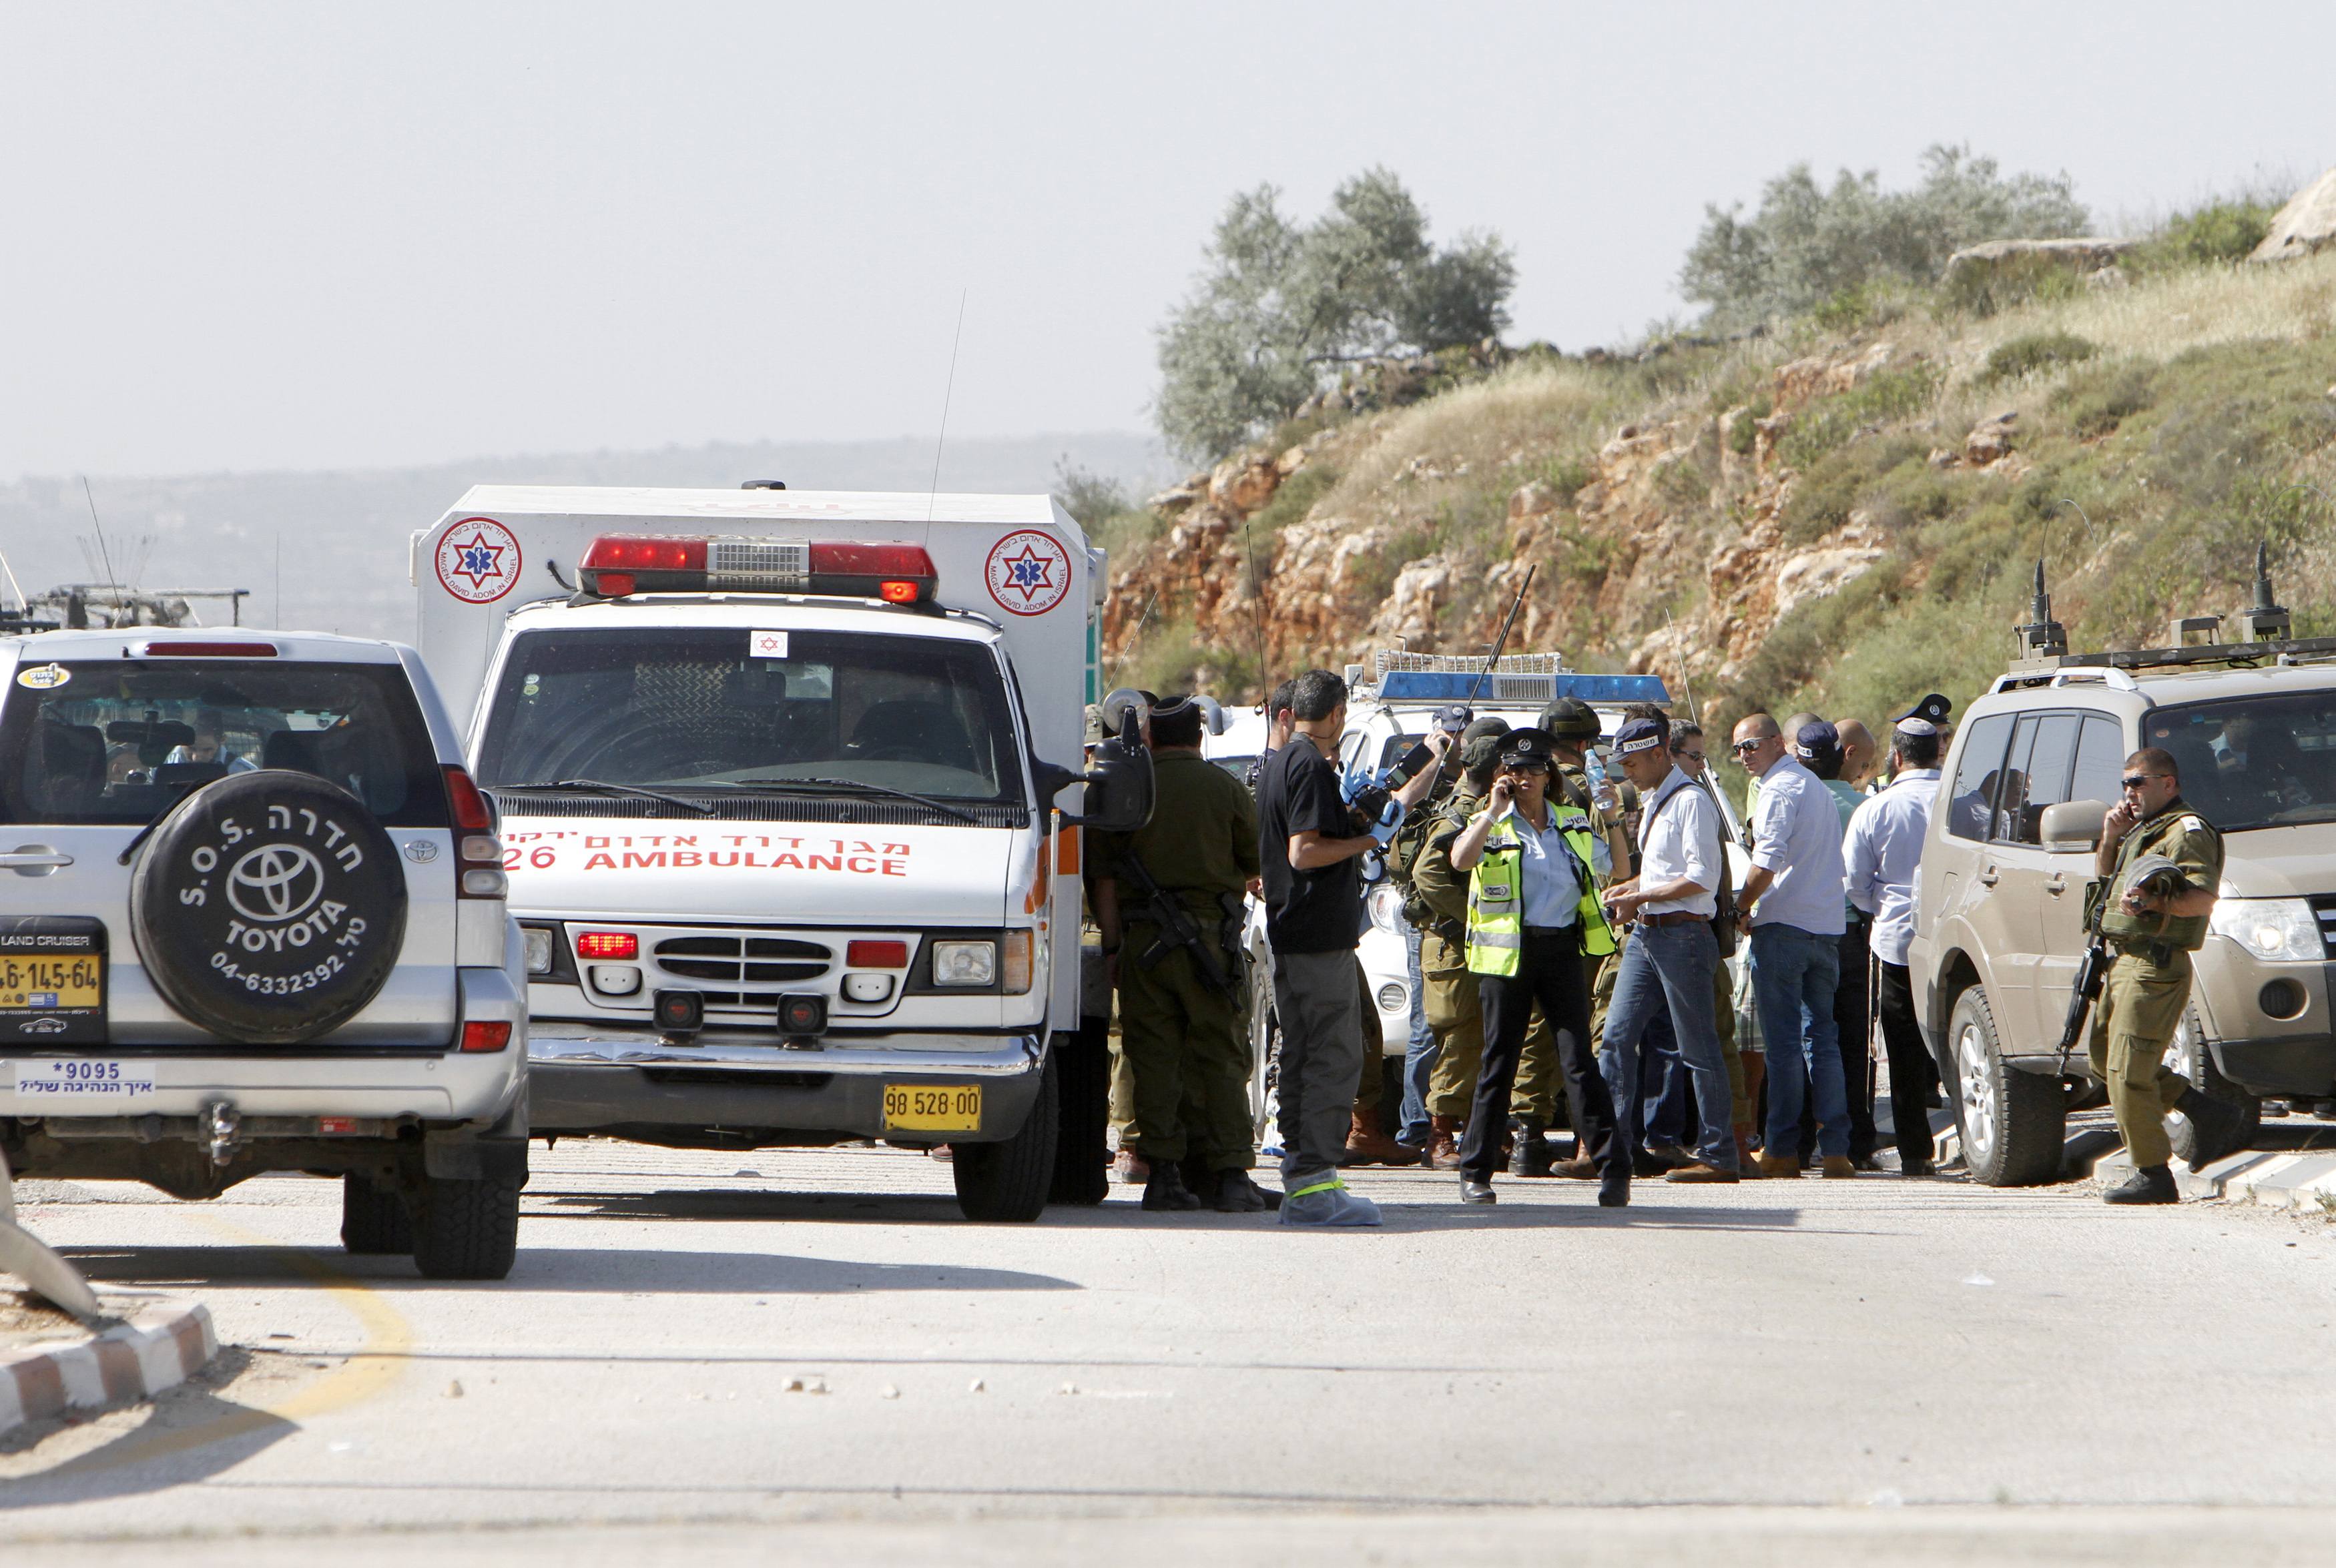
column 268, row 908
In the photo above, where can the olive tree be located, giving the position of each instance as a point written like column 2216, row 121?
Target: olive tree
column 1281, row 303
column 1805, row 244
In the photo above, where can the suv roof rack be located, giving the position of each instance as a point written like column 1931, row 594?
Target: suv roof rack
column 2263, row 629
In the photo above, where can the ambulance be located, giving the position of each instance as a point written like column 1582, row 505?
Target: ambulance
column 790, row 789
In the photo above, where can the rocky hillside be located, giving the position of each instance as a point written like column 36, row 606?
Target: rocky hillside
column 1842, row 514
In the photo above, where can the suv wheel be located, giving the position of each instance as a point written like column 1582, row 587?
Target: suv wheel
column 374, row 1219
column 2012, row 1121
column 466, row 1229
column 1008, row 1182
column 2187, row 1053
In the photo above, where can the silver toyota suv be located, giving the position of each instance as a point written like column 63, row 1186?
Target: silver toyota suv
column 2000, row 920
column 252, row 919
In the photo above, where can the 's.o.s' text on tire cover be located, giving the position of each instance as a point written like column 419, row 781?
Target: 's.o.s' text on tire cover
column 268, row 908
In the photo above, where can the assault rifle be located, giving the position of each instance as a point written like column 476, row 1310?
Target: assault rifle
column 1177, row 928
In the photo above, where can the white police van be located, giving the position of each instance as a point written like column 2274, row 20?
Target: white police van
column 778, row 773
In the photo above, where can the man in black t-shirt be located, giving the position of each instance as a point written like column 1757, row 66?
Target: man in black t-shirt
column 1310, row 849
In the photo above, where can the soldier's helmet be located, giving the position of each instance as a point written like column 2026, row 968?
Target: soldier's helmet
column 1571, row 719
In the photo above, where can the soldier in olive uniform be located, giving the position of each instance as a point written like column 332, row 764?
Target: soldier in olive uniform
column 2163, row 862
column 1181, row 1033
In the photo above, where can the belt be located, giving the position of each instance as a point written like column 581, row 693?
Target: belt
column 1548, row 931
column 1680, row 918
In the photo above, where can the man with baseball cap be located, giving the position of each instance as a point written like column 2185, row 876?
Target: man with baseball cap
column 1883, row 851
column 1792, row 899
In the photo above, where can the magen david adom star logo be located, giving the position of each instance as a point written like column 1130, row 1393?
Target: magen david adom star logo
column 1028, row 572
column 478, row 560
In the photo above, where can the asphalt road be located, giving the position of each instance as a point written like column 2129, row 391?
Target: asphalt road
column 734, row 1357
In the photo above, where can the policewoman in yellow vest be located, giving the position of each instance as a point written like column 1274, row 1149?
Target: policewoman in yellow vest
column 1534, row 918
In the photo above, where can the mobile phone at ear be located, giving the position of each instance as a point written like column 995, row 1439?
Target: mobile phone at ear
column 1412, row 763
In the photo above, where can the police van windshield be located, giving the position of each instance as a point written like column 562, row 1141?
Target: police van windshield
column 2257, row 762
column 730, row 713
column 116, row 740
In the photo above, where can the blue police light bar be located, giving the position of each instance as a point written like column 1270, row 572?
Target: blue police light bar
column 1453, row 686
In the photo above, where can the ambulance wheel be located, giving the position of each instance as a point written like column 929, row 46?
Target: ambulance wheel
column 268, row 908
column 1008, row 1182
column 1082, row 1150
column 374, row 1219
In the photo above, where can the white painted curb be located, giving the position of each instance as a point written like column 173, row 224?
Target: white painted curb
column 2273, row 1178
column 160, row 1345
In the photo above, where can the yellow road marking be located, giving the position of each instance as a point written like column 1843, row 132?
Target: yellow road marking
column 378, row 1362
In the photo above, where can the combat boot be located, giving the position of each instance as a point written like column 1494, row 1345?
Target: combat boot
column 1166, row 1189
column 1530, row 1156
column 2220, row 1128
column 1444, row 1143
column 2150, row 1184
column 1239, row 1194
column 1366, row 1145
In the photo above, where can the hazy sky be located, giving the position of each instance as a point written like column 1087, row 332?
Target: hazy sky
column 299, row 236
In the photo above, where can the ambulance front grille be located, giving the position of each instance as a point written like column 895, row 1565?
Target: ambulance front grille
column 770, row 960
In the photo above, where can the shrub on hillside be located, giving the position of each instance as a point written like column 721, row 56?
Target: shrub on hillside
column 1888, row 396
column 1282, row 304
column 1805, row 244
column 2097, row 400
column 2220, row 231
column 2036, row 351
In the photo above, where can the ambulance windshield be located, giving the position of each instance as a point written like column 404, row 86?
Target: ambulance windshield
column 734, row 713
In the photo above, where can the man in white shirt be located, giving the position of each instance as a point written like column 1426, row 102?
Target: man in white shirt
column 1793, row 901
column 1671, row 954
column 1884, row 856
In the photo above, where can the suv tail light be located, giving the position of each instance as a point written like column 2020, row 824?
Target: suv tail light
column 480, row 1035
column 478, row 853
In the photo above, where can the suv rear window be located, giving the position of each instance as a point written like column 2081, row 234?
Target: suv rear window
column 2257, row 761
column 114, row 741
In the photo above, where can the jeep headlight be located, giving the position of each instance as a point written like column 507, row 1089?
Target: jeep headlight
column 2279, row 929
column 965, row 963
column 1385, row 904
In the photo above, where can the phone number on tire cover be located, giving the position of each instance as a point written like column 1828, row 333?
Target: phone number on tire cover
column 279, row 985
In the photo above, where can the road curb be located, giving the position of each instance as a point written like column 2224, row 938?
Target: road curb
column 2269, row 1177
column 159, row 1344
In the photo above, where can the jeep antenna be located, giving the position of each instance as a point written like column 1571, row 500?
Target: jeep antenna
column 103, row 553
column 1494, row 657
column 948, row 390
column 1257, row 592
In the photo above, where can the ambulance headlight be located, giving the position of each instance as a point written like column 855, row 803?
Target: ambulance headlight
column 965, row 963
column 2270, row 928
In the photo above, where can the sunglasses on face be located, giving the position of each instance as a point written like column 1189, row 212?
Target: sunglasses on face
column 2136, row 780
column 1537, row 770
column 1690, row 756
column 1743, row 746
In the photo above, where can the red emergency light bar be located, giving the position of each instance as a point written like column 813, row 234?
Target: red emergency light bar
column 620, row 564
column 208, row 651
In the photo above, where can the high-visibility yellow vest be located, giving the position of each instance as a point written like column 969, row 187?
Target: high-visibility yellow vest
column 1496, row 898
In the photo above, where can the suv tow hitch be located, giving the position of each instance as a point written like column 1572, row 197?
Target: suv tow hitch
column 220, row 1128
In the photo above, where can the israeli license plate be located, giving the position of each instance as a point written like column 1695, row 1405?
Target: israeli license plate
column 83, row 1083
column 932, row 1107
column 52, row 980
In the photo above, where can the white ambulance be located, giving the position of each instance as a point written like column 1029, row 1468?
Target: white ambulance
column 778, row 776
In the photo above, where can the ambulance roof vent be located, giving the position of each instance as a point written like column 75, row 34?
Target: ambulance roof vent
column 763, row 485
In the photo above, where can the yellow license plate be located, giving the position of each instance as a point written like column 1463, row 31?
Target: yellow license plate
column 932, row 1107
column 63, row 984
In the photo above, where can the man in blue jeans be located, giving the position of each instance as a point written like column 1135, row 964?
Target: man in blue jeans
column 1792, row 900
column 1671, row 954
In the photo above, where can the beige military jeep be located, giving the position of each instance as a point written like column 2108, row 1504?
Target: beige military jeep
column 1999, row 919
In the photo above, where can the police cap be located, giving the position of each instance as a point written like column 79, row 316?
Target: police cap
column 1925, row 717
column 1526, row 749
column 1571, row 719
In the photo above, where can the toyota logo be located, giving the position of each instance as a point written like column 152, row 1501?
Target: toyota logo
column 274, row 883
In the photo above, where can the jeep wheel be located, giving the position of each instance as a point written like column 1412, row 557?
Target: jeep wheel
column 2188, row 1054
column 374, row 1219
column 268, row 908
column 1008, row 1182
column 466, row 1230
column 2012, row 1121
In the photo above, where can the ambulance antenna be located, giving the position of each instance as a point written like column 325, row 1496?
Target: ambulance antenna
column 103, row 553
column 947, row 391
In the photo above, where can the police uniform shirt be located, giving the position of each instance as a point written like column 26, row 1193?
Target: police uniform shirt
column 1549, row 872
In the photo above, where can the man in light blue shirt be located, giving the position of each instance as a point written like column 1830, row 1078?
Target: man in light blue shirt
column 1793, row 901
column 1884, row 861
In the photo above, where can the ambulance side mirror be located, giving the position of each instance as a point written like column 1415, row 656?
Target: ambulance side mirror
column 1118, row 781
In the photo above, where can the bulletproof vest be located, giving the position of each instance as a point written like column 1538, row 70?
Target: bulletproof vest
column 2156, row 836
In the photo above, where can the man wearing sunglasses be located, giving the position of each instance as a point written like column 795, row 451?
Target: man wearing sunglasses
column 2163, row 863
